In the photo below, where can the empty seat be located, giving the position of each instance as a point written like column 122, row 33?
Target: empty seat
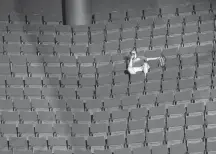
column 162, row 149
column 194, row 120
column 46, row 39
column 28, row 117
column 18, row 142
column 186, row 84
column 87, row 92
column 183, row 96
column 121, row 89
column 70, row 71
column 22, row 104
column 178, row 149
column 17, row 70
column 194, row 134
column 111, row 103
column 44, row 116
column 101, row 116
column 169, row 85
column 87, row 82
column 165, row 97
column 79, row 49
column 153, row 86
column 45, row 50
column 119, row 127
column 69, row 81
column 137, row 125
column 152, row 137
column 39, row 104
column 175, row 135
column 80, row 129
column 6, row 104
column 140, row 150
column 32, row 81
column 52, row 71
column 171, row 73
column 57, row 142
column 62, row 49
column 43, row 129
column 147, row 99
column 116, row 140
column 176, row 122
column 62, row 129
column 176, row 109
column 103, row 91
column 82, row 117
column 75, row 104
column 96, row 141
column 12, row 49
column 35, row 142
column 187, row 72
column 14, row 81
column 8, row 130
column 36, row 71
column 136, row 88
column 67, row 92
column 138, row 113
column 12, row 38
column 99, row 128
column 196, row 147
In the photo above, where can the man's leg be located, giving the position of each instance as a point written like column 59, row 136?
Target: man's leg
column 134, row 70
column 146, row 68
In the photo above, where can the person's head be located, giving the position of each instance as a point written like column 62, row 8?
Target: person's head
column 133, row 54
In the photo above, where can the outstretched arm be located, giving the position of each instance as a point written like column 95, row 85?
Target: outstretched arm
column 148, row 59
column 156, row 58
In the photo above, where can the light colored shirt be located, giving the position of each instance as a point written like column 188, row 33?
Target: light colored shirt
column 137, row 62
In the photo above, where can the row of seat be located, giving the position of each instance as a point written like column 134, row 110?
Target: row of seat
column 45, row 54
column 164, row 39
column 169, row 97
column 84, row 89
column 31, row 75
column 24, row 115
column 197, row 147
column 121, row 140
column 19, row 18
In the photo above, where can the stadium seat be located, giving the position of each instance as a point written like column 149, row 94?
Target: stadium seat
column 18, row 142
column 155, row 137
column 116, row 140
column 93, row 104
column 56, row 142
column 14, row 81
column 8, row 130
column 62, row 129
column 196, row 147
column 46, row 117
column 175, row 135
column 22, row 104
column 43, row 130
column 192, row 134
column 163, row 149
column 28, row 117
column 178, row 148
column 35, row 142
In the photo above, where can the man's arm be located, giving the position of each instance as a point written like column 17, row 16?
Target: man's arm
column 156, row 58
column 148, row 59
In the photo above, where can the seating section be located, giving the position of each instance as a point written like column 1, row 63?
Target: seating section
column 65, row 89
